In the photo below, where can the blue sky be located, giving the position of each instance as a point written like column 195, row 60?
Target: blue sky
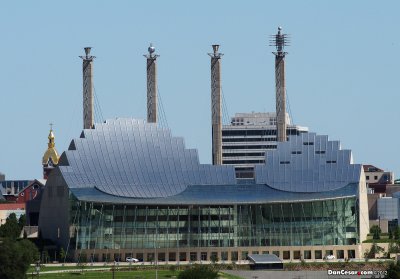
column 342, row 70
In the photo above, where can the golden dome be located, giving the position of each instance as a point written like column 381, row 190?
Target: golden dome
column 51, row 155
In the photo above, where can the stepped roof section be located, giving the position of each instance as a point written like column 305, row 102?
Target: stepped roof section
column 308, row 163
column 132, row 158
column 133, row 162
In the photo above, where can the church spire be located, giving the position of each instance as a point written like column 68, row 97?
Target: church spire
column 51, row 137
column 50, row 157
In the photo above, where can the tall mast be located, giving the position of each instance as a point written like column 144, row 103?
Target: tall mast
column 280, row 41
column 87, row 69
column 151, row 85
column 216, row 106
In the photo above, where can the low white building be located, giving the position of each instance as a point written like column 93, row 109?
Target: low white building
column 8, row 208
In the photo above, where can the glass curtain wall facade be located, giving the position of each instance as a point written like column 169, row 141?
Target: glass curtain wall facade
column 107, row 226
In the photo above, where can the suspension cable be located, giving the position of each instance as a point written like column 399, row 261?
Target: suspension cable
column 289, row 109
column 97, row 110
column 163, row 116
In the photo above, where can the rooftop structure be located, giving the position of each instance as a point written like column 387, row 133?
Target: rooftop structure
column 376, row 177
column 13, row 187
column 265, row 261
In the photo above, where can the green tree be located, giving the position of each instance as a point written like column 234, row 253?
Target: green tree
column 22, row 221
column 199, row 272
column 376, row 231
column 11, row 228
column 390, row 234
column 62, row 255
column 392, row 248
column 393, row 271
column 214, row 258
column 15, row 258
column 396, row 233
column 375, row 249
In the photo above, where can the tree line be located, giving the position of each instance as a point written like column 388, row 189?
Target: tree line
column 16, row 253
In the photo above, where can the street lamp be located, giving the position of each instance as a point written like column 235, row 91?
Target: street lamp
column 37, row 268
column 155, row 258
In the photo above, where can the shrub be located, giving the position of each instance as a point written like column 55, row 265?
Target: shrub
column 393, row 271
column 376, row 231
column 214, row 258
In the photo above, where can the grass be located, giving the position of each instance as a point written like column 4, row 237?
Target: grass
column 137, row 274
column 379, row 265
column 54, row 268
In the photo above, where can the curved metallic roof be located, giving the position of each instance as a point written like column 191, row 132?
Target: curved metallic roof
column 131, row 161
column 220, row 195
column 131, row 158
column 308, row 163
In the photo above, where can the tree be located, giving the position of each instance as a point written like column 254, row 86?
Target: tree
column 22, row 221
column 11, row 228
column 199, row 272
column 15, row 258
column 376, row 231
column 390, row 234
column 396, row 233
column 375, row 249
column 62, row 254
column 214, row 258
column 393, row 248
column 393, row 271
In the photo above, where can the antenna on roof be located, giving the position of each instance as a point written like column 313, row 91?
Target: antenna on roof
column 279, row 41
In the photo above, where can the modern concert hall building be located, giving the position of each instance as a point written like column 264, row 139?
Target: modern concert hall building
column 128, row 188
